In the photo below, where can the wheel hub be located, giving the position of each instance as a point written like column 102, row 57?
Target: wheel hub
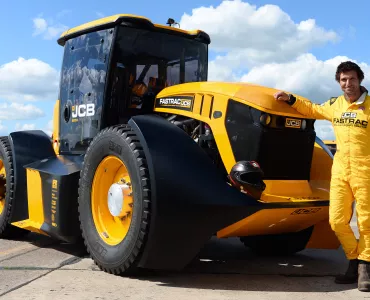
column 112, row 200
column 116, row 199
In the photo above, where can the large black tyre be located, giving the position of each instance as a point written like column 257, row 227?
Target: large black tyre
column 7, row 189
column 123, row 258
column 278, row 244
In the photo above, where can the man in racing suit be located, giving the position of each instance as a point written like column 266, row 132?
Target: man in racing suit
column 349, row 114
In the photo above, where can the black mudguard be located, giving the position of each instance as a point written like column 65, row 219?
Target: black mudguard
column 64, row 170
column 191, row 199
column 33, row 149
column 27, row 147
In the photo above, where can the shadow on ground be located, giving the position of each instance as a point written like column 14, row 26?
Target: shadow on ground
column 228, row 265
column 42, row 241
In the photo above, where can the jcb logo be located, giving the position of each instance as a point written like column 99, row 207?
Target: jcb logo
column 83, row 110
column 349, row 115
column 186, row 103
column 293, row 123
column 54, row 184
column 305, row 211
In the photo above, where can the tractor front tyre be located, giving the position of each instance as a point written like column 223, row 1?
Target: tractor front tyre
column 278, row 244
column 7, row 192
column 114, row 200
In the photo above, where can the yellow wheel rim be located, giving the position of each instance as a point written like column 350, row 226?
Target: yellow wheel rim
column 112, row 229
column 2, row 186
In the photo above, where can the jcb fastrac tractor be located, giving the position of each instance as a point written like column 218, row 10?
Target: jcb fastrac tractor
column 148, row 160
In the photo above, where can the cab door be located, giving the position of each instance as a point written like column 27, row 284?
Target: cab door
column 83, row 80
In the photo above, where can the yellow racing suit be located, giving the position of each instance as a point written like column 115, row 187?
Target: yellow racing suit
column 351, row 168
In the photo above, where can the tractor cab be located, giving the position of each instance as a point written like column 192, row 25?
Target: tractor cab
column 113, row 69
column 145, row 62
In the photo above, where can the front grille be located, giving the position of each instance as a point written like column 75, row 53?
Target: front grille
column 283, row 153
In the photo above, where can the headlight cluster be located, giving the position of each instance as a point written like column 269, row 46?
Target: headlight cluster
column 239, row 113
column 265, row 119
column 279, row 121
column 304, row 124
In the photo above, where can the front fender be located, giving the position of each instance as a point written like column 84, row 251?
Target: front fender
column 190, row 198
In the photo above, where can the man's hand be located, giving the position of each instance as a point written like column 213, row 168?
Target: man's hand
column 281, row 96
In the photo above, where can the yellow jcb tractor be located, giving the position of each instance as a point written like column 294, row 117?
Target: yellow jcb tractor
column 148, row 160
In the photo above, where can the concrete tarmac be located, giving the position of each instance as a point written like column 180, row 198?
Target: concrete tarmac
column 40, row 268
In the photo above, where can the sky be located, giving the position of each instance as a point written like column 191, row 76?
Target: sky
column 289, row 45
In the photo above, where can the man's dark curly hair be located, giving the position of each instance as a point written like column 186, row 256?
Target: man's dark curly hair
column 349, row 66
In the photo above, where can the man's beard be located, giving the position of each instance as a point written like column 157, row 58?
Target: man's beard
column 354, row 92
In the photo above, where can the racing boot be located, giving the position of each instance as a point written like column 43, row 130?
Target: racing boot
column 351, row 275
column 364, row 276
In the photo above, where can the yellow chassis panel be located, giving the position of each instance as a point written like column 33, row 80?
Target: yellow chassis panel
column 275, row 221
column 35, row 204
column 284, row 220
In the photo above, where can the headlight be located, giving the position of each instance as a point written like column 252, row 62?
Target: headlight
column 304, row 124
column 265, row 119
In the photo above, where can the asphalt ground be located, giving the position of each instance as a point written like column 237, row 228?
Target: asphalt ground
column 37, row 267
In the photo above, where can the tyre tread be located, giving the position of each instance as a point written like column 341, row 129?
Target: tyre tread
column 6, row 229
column 130, row 265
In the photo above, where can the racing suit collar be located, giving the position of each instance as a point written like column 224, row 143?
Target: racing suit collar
column 362, row 98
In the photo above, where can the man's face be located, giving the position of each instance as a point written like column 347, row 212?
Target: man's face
column 349, row 82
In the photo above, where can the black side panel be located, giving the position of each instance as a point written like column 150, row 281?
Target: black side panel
column 27, row 147
column 191, row 200
column 283, row 153
column 60, row 177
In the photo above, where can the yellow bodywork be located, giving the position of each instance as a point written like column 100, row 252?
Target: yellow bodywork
column 209, row 97
column 329, row 142
column 275, row 221
column 213, row 96
column 35, row 203
column 56, row 138
column 332, row 145
column 112, row 20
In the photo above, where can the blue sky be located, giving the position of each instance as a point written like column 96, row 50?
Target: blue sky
column 292, row 45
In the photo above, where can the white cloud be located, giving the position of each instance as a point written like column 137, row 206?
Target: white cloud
column 220, row 71
column 256, row 35
column 3, row 129
column 263, row 45
column 49, row 128
column 28, row 80
column 39, row 26
column 21, row 127
column 244, row 36
column 63, row 13
column 47, row 29
column 19, row 111
column 324, row 130
column 306, row 76
column 99, row 14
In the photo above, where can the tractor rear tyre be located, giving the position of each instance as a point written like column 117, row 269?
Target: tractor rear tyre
column 7, row 192
column 278, row 244
column 114, row 200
